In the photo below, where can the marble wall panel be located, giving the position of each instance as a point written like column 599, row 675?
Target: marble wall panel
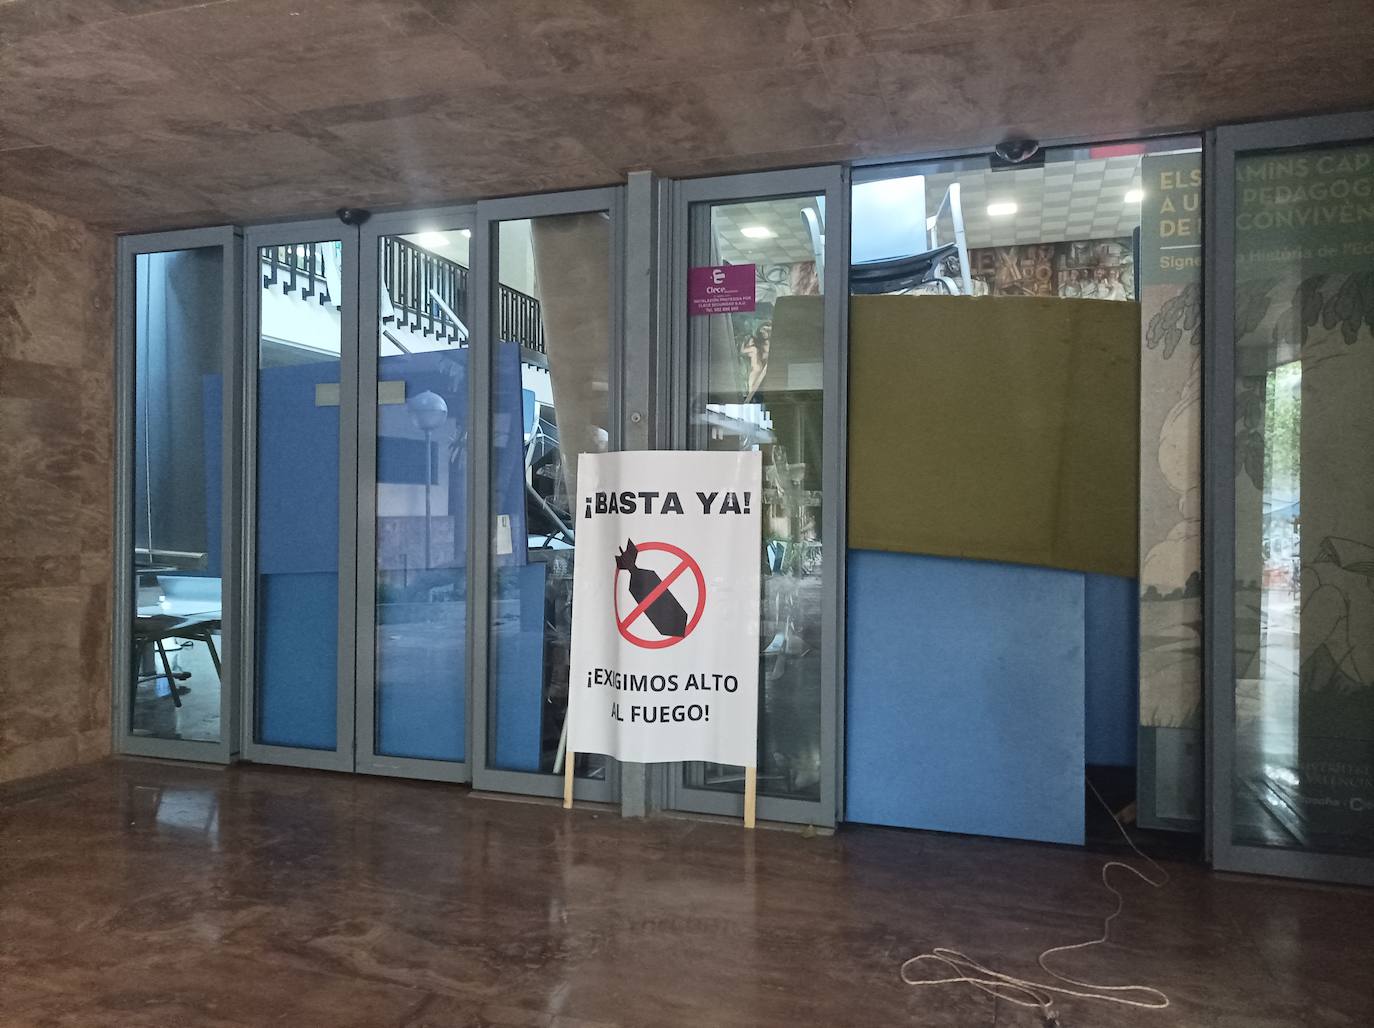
column 56, row 490
column 153, row 114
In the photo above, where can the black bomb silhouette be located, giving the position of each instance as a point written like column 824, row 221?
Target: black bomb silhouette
column 665, row 613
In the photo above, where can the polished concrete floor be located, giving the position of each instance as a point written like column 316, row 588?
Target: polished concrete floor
column 151, row 894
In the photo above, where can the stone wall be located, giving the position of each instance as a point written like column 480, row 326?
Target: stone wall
column 56, row 490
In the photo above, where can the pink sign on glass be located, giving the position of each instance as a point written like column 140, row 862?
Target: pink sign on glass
column 720, row 289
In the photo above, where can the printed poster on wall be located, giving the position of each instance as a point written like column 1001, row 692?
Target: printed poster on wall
column 1170, row 581
column 665, row 632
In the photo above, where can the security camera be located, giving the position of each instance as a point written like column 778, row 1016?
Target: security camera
column 354, row 216
column 1016, row 151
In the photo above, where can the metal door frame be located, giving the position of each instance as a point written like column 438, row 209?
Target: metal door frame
column 485, row 258
column 367, row 760
column 230, row 242
column 831, row 181
column 341, row 758
column 1219, row 469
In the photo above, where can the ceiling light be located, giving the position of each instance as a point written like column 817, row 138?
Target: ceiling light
column 1135, row 195
column 756, row 232
column 432, row 240
column 1001, row 209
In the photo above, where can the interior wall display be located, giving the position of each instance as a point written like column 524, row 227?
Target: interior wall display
column 1170, row 744
column 1019, row 444
column 1304, row 495
column 1088, row 269
column 665, row 633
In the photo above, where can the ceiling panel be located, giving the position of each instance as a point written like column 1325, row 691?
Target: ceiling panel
column 149, row 109
column 1059, row 202
column 789, row 241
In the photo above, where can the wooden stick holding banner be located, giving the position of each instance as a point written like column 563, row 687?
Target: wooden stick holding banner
column 567, row 778
column 751, row 793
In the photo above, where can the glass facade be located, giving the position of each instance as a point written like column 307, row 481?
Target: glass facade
column 1303, row 771
column 756, row 384
column 995, row 324
column 550, row 401
column 1120, row 224
column 176, row 467
column 299, row 343
column 423, row 459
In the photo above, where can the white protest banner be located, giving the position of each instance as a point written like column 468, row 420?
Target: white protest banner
column 665, row 632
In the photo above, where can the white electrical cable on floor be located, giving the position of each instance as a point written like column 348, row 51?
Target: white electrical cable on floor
column 1040, row 995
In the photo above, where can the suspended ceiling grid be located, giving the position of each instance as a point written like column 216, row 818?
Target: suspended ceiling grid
column 1061, row 201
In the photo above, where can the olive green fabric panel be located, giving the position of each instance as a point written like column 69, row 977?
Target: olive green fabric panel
column 996, row 428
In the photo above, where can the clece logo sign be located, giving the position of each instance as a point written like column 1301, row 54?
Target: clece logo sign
column 720, row 289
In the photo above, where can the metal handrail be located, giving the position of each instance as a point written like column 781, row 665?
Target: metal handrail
column 428, row 293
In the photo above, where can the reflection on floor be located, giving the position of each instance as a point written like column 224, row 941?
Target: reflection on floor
column 151, row 894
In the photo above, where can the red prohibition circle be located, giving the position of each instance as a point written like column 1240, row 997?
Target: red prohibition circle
column 687, row 563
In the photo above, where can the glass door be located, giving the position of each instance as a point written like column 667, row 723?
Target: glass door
column 548, row 299
column 176, row 494
column 301, row 389
column 415, row 471
column 769, row 376
column 416, row 395
column 1290, row 550
column 419, row 392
